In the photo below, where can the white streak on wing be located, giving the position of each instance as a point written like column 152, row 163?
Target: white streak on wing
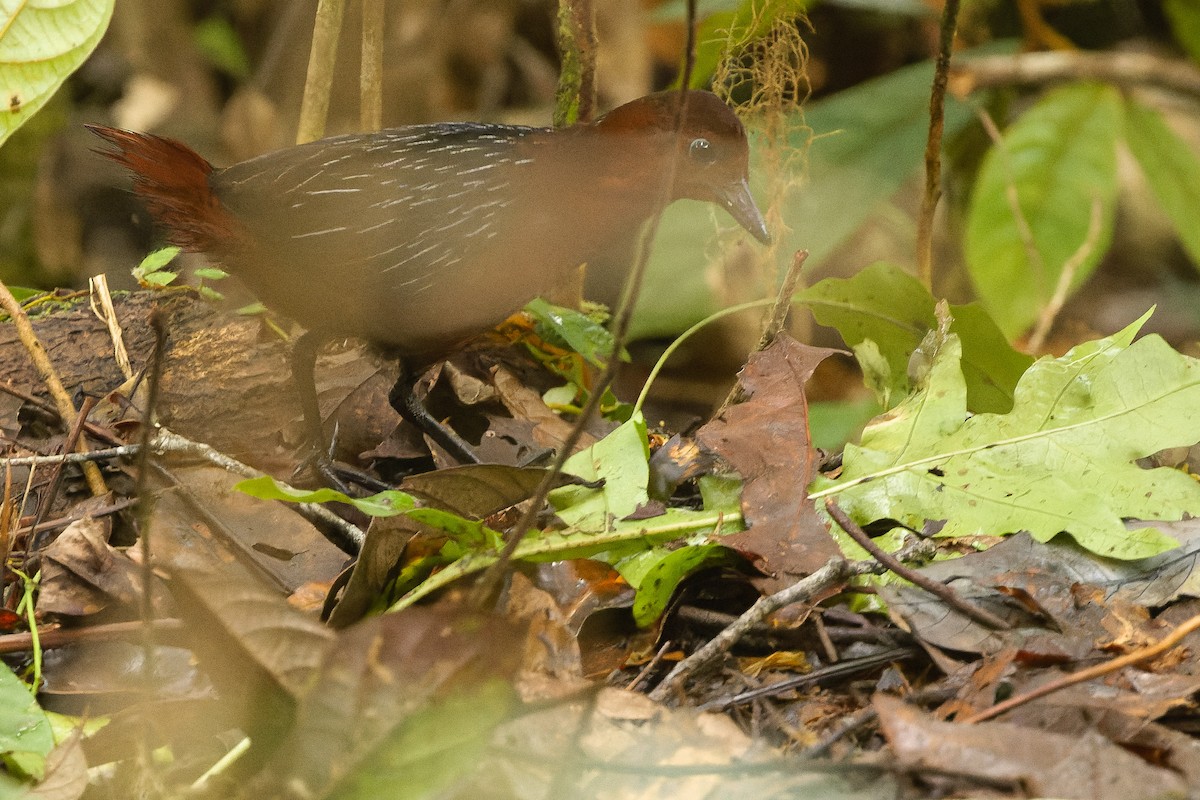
column 395, row 201
column 476, row 169
column 333, row 191
column 312, row 177
column 415, row 255
column 377, row 225
column 478, row 230
column 338, row 229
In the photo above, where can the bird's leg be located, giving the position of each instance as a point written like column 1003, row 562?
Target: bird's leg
column 403, row 398
column 304, row 362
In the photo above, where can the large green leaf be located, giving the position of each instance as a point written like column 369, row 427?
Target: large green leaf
column 884, row 305
column 621, row 460
column 1184, row 16
column 41, row 43
column 25, row 735
column 1061, row 460
column 1060, row 157
column 866, row 142
column 1171, row 168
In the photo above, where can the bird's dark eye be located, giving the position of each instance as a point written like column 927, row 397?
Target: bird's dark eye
column 702, row 151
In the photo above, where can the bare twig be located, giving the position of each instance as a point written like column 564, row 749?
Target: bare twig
column 933, row 145
column 167, row 442
column 835, row 572
column 318, row 85
column 74, row 438
column 776, row 319
column 143, row 510
column 1067, row 277
column 72, row 458
column 1129, row 659
column 1130, row 70
column 852, row 666
column 59, row 637
column 940, row 590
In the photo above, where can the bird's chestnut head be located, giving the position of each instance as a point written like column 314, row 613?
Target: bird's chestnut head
column 711, row 150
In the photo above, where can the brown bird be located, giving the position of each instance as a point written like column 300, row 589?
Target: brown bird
column 418, row 238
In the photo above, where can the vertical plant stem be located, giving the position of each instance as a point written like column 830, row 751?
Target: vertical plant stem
column 370, row 109
column 314, row 108
column 575, row 100
column 143, row 510
column 485, row 590
column 774, row 323
column 933, row 146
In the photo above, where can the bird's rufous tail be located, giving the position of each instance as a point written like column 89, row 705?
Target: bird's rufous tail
column 173, row 181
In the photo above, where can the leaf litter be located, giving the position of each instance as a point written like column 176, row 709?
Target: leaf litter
column 1039, row 508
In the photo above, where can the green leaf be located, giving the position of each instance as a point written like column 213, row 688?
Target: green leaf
column 1060, row 157
column 156, row 260
column 1171, row 169
column 835, row 423
column 218, row 41
column 656, row 574
column 209, row 293
column 1184, row 16
column 575, row 330
column 1062, row 460
column 252, row 309
column 889, row 308
column 622, row 539
column 384, row 504
column 751, row 19
column 864, row 144
column 159, row 278
column 465, row 533
column 438, row 745
column 621, row 459
column 40, row 45
column 212, row 273
column 150, row 271
column 25, row 734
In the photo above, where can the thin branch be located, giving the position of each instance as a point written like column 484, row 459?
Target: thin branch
column 1131, row 70
column 73, row 458
column 1129, row 659
column 776, row 319
column 834, row 573
column 933, row 145
column 59, row 637
column 1067, row 277
column 486, row 589
column 167, row 442
column 940, row 590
